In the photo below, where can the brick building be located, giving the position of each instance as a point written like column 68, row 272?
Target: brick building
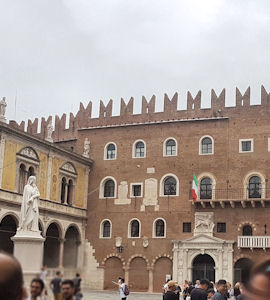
column 141, row 220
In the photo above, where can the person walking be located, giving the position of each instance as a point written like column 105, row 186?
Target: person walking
column 122, row 288
column 200, row 293
column 55, row 285
column 221, row 293
column 77, row 283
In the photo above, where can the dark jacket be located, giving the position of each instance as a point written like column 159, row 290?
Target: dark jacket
column 170, row 296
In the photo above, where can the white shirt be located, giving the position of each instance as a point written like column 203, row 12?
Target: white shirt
column 121, row 290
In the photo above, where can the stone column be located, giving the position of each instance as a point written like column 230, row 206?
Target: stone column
column 66, row 191
column 61, row 253
column 219, row 274
column 175, row 259
column 126, row 269
column 185, row 265
column 151, row 279
column 86, row 175
column 2, row 155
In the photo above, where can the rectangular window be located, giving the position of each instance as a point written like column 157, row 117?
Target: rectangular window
column 221, row 227
column 136, row 190
column 186, row 227
column 246, row 145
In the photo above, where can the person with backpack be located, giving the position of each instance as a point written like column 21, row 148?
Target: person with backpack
column 123, row 289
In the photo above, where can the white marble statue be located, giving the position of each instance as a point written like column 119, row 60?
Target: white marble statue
column 29, row 209
column 86, row 148
column 49, row 132
column 3, row 106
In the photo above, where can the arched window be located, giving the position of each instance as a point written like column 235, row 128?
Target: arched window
column 109, row 188
column 206, row 188
column 139, row 149
column 170, row 186
column 255, row 187
column 110, row 151
column 63, row 189
column 247, row 230
column 22, row 178
column 170, row 147
column 206, row 147
column 31, row 171
column 134, row 228
column 70, row 192
column 69, row 175
column 106, row 229
column 159, row 228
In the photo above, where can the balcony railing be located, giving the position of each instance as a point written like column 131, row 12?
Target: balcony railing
column 252, row 242
column 232, row 197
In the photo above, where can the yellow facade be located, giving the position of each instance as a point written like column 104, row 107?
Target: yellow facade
column 12, row 147
column 9, row 165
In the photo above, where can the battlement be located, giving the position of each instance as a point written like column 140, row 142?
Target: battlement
column 83, row 119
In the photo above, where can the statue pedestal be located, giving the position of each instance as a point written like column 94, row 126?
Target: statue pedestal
column 3, row 119
column 28, row 249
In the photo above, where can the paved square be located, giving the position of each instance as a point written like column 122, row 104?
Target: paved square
column 114, row 295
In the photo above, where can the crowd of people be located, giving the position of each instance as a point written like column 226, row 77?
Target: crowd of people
column 256, row 288
column 12, row 283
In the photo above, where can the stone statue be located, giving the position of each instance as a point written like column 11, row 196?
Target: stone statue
column 3, row 106
column 49, row 132
column 86, row 148
column 29, row 209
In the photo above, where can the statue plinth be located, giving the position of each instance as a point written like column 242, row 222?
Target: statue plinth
column 3, row 119
column 28, row 249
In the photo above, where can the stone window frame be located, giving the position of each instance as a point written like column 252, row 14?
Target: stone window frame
column 101, row 229
column 129, row 229
column 246, row 184
column 69, row 172
column 200, row 145
column 246, row 140
column 165, row 147
column 131, row 189
column 105, row 151
column 31, row 160
column 134, row 149
column 154, row 229
column 161, row 185
column 101, row 187
column 213, row 179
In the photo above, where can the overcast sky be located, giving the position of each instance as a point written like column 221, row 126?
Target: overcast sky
column 54, row 54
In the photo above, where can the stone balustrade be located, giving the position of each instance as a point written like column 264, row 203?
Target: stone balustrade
column 12, row 198
column 253, row 242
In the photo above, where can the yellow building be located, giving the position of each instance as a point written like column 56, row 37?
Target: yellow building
column 62, row 178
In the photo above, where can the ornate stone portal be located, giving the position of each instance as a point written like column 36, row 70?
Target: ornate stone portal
column 28, row 242
column 203, row 242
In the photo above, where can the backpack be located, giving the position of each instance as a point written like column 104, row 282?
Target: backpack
column 126, row 290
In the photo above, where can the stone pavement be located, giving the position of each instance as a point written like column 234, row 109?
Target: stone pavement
column 114, row 295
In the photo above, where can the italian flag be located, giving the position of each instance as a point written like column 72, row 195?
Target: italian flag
column 194, row 188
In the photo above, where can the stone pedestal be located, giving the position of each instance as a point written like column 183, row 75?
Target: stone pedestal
column 3, row 119
column 28, row 249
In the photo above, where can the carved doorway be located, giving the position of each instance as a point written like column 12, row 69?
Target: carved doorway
column 203, row 267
